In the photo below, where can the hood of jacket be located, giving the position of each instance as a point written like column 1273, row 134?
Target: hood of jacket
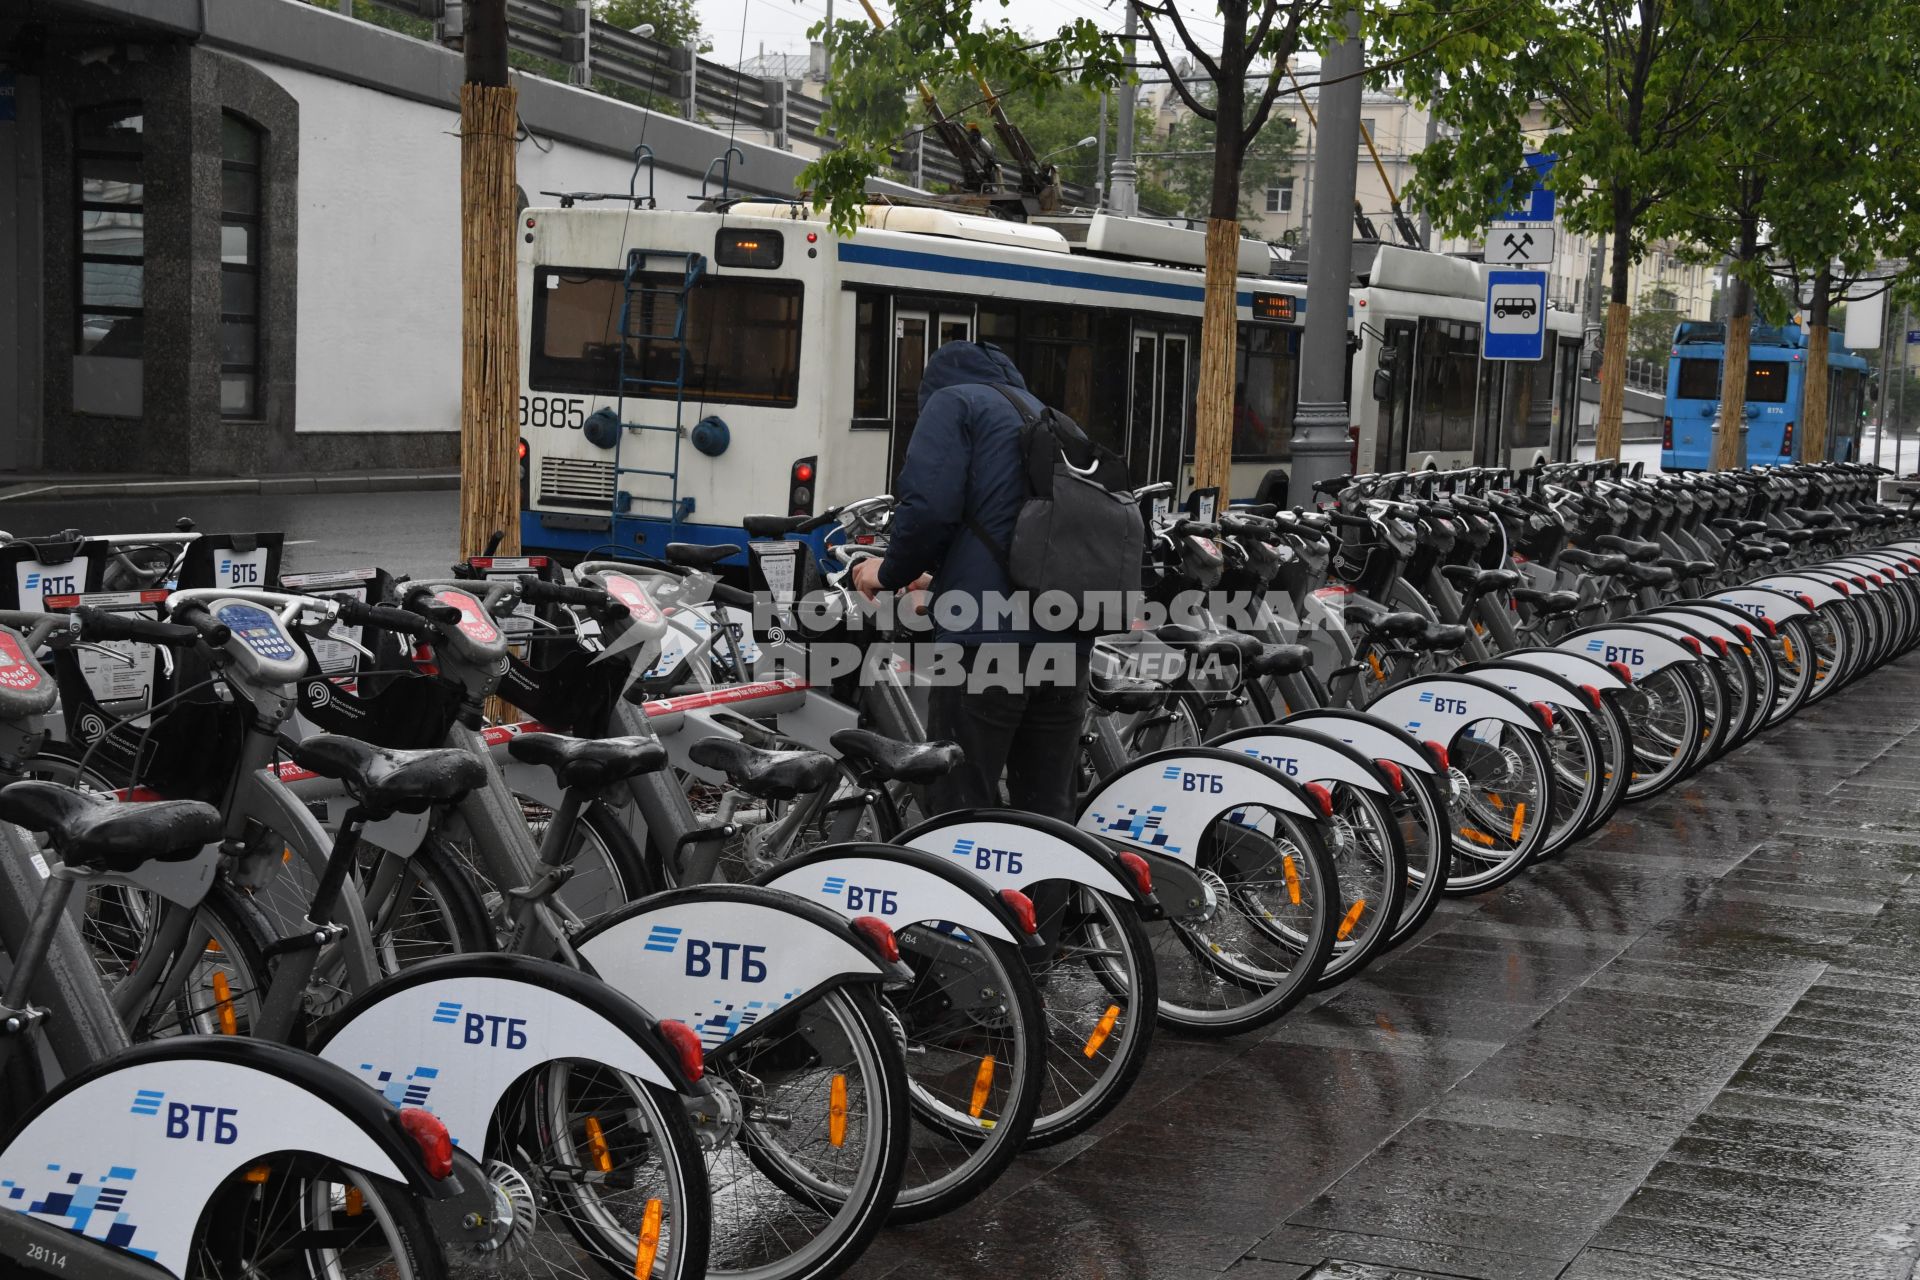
column 959, row 364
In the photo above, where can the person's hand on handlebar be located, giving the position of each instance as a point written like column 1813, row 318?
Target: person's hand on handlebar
column 865, row 576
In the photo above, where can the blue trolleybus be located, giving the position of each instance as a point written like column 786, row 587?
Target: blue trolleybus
column 1776, row 395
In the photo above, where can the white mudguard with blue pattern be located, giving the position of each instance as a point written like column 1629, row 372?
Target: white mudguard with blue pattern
column 1641, row 650
column 866, row 885
column 1775, row 606
column 1300, row 758
column 1362, row 734
column 1006, row 855
column 1166, row 803
column 720, row 966
column 1437, row 708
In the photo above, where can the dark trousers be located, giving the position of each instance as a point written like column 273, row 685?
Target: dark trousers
column 1031, row 731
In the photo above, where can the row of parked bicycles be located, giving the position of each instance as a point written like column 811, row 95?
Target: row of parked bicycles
column 588, row 921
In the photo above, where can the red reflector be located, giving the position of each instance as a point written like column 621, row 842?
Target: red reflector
column 1438, row 753
column 1746, row 632
column 685, row 1043
column 1593, row 695
column 1804, row 599
column 429, row 1133
column 1842, row 587
column 1692, row 645
column 875, row 930
column 1720, row 643
column 1137, row 868
column 1321, row 797
column 1622, row 670
column 1395, row 778
column 1545, row 712
column 1771, row 629
column 1022, row 907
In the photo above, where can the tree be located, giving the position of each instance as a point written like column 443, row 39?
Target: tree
column 1655, row 313
column 674, row 22
column 1619, row 90
column 1186, row 171
column 1054, row 123
column 932, row 38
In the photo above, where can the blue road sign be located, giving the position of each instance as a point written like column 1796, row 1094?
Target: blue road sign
column 1913, row 336
column 1516, row 321
column 1538, row 203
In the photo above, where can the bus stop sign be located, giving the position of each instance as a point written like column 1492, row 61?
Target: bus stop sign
column 1516, row 320
column 1534, row 203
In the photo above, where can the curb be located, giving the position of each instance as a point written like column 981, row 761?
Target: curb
column 227, row 486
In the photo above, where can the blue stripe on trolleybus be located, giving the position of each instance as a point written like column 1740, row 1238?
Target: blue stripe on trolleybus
column 1059, row 277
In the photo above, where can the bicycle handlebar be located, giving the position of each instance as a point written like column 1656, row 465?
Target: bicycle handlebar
column 408, row 622
column 99, row 624
column 193, row 613
column 595, row 601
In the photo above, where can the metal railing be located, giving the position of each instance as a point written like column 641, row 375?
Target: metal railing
column 563, row 42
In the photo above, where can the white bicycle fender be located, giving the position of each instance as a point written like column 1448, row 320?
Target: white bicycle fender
column 1010, row 854
column 1776, row 605
column 719, row 960
column 1819, row 587
column 455, row 1043
column 1577, row 667
column 131, row 1156
column 1531, row 685
column 872, row 884
column 1439, row 707
column 1370, row 737
column 1704, row 622
column 1167, row 800
column 1294, row 753
column 1642, row 650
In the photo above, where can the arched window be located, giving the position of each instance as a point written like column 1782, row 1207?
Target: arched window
column 108, row 152
column 240, row 147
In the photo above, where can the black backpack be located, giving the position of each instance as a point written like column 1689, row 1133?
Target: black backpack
column 1079, row 530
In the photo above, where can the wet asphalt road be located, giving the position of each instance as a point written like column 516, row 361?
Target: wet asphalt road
column 1684, row 1051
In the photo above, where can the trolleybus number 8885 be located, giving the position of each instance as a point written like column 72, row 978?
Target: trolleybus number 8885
column 555, row 411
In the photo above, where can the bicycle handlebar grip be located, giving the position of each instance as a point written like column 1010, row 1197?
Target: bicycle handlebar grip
column 1332, row 485
column 595, row 601
column 195, row 615
column 98, row 624
column 408, row 622
column 721, row 593
column 1342, row 517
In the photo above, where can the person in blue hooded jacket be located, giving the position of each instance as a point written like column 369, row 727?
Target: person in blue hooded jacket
column 1016, row 698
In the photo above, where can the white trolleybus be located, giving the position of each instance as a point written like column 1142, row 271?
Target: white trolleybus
column 680, row 371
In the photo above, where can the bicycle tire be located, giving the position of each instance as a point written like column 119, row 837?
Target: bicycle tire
column 1380, row 842
column 432, row 909
column 1496, row 808
column 240, row 934
column 1427, row 834
column 253, row 1199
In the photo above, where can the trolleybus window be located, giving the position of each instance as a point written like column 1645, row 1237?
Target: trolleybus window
column 1448, row 365
column 1527, row 403
column 1266, row 379
column 1767, row 382
column 872, row 357
column 742, row 337
column 1699, row 379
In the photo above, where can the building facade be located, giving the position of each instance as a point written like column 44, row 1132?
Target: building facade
column 230, row 231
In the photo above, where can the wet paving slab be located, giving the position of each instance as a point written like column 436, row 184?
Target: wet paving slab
column 1687, row 1050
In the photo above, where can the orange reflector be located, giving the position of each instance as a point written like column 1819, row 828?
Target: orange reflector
column 1478, row 837
column 1496, row 801
column 258, row 1175
column 1519, row 818
column 1786, row 642
column 649, row 1242
column 982, row 1086
column 597, row 1146
column 1102, row 1031
column 837, row 1112
column 1293, row 878
column 1351, row 919
column 286, row 855
column 1379, row 673
column 356, row 1202
column 213, row 944
column 223, row 1004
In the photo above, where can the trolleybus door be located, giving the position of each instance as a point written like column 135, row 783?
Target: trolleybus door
column 1159, row 405
column 916, row 335
column 1566, row 401
column 1496, row 389
column 1390, row 436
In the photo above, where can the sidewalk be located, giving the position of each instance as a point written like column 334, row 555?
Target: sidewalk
column 49, row 487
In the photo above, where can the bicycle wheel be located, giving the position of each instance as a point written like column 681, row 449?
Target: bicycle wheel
column 1098, row 990
column 1663, row 719
column 421, row 906
column 296, row 1214
column 1791, row 648
column 214, row 985
column 1501, row 804
column 1258, row 939
column 604, row 1174
column 1370, row 862
column 807, row 1155
column 1420, row 809
column 1573, row 752
column 608, row 868
column 976, row 1061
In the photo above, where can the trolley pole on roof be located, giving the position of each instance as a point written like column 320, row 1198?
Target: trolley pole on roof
column 1320, row 442
column 489, row 344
